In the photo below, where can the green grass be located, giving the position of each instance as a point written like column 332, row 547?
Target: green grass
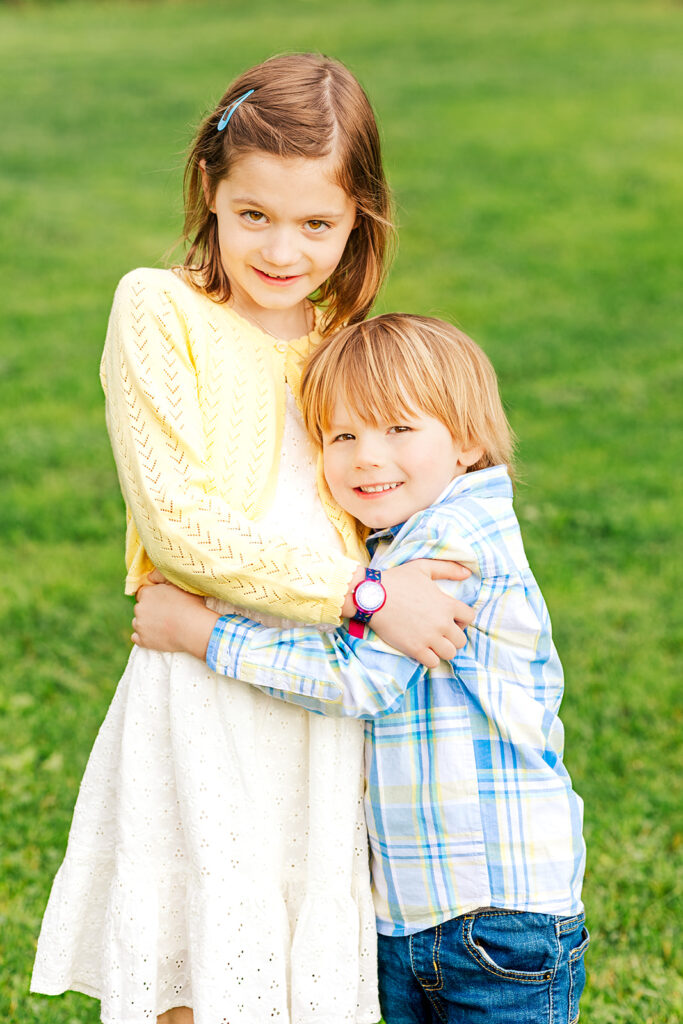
column 535, row 151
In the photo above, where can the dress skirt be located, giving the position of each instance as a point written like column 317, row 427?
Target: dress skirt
column 217, row 859
column 218, row 856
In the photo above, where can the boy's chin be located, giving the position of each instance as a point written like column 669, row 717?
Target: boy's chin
column 374, row 526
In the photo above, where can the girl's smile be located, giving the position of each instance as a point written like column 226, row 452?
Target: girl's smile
column 277, row 280
column 283, row 224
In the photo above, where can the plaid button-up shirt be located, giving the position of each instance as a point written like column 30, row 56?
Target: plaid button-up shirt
column 468, row 803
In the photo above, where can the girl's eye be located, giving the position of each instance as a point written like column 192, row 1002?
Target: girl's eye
column 317, row 226
column 253, row 216
column 399, row 429
column 342, row 437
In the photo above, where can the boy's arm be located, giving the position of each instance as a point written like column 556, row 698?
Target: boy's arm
column 169, row 619
column 330, row 673
column 334, row 673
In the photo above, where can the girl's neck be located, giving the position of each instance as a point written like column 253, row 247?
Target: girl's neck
column 283, row 324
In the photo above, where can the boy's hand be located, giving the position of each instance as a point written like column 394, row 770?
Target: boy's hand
column 419, row 619
column 169, row 619
column 156, row 576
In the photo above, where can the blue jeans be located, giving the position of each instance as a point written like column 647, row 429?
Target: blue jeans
column 493, row 966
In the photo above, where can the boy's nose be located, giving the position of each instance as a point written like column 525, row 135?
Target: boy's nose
column 368, row 455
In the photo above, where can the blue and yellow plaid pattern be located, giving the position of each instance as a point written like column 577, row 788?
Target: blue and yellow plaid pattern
column 468, row 802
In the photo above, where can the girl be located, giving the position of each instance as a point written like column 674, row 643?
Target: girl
column 216, row 869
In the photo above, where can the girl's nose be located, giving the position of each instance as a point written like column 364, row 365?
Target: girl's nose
column 280, row 248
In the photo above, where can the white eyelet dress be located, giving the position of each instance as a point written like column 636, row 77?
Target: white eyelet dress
column 217, row 857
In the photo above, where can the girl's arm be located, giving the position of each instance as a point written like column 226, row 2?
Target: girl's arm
column 170, row 619
column 158, row 438
column 189, row 531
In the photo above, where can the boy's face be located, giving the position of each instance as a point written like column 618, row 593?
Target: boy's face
column 383, row 474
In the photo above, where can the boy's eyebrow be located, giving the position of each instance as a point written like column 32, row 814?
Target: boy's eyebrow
column 339, row 428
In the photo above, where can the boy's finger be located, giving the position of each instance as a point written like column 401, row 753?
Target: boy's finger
column 155, row 576
column 456, row 635
column 462, row 614
column 445, row 650
column 439, row 569
column 428, row 657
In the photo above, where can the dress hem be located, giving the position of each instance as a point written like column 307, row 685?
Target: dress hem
column 59, row 989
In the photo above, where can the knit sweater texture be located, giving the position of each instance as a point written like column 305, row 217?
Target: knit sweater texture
column 195, row 405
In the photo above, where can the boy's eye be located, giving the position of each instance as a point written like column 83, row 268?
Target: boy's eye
column 399, row 429
column 342, row 437
column 317, row 226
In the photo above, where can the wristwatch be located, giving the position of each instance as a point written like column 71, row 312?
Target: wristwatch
column 368, row 596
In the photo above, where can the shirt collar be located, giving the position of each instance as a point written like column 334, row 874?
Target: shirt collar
column 493, row 482
column 388, row 533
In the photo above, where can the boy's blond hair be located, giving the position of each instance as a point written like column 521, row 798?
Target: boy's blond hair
column 395, row 364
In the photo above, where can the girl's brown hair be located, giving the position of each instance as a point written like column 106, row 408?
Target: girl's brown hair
column 395, row 364
column 303, row 105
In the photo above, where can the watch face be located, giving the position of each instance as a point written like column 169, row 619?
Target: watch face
column 369, row 596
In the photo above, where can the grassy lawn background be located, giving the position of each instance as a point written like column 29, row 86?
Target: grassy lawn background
column 535, row 152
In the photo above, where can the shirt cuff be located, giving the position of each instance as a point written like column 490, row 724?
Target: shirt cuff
column 225, row 644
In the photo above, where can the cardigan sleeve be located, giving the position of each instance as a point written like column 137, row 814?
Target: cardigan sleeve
column 187, row 528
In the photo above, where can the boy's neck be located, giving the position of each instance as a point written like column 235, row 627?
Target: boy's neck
column 396, row 526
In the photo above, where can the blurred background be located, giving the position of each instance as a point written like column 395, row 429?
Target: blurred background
column 535, row 151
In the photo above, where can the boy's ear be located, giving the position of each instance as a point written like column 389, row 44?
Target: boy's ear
column 208, row 199
column 469, row 456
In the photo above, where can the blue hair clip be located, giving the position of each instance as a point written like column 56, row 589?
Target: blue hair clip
column 228, row 112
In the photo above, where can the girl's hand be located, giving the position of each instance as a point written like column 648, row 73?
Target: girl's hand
column 419, row 619
column 169, row 619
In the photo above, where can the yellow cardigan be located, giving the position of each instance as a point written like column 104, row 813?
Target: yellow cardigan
column 195, row 404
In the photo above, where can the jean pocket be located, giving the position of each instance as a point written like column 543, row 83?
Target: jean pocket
column 577, row 974
column 512, row 944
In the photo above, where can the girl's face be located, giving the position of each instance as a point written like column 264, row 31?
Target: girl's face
column 283, row 224
column 384, row 474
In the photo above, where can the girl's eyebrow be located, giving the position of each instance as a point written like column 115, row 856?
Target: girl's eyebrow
column 250, row 201
column 247, row 200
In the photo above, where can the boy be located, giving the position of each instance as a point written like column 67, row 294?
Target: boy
column 475, row 831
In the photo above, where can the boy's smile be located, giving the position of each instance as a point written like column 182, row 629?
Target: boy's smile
column 382, row 474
